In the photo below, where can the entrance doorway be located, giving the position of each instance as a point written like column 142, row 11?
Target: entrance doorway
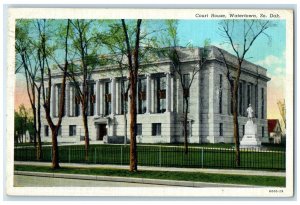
column 101, row 131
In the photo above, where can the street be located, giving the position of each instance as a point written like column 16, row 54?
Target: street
column 34, row 181
column 37, row 181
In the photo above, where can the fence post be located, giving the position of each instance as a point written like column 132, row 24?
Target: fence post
column 202, row 158
column 121, row 155
column 160, row 155
column 69, row 154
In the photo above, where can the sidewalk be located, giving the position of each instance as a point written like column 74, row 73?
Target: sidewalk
column 212, row 171
column 140, row 181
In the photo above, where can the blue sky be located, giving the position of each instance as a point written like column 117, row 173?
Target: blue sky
column 269, row 54
column 197, row 31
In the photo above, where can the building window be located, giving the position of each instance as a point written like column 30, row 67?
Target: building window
column 161, row 94
column 91, row 99
column 248, row 94
column 186, row 91
column 156, row 129
column 139, row 129
column 46, row 130
column 142, row 86
column 262, row 103
column 262, row 132
column 46, row 92
column 256, row 101
column 72, row 130
column 58, row 94
column 220, row 94
column 241, row 110
column 230, row 109
column 221, row 129
column 74, row 101
column 107, row 98
column 77, row 104
column 59, row 131
column 124, row 96
column 243, row 130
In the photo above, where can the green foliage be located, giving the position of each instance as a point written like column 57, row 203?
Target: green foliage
column 23, row 120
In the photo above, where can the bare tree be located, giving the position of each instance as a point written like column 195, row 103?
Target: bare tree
column 132, row 53
column 186, row 78
column 25, row 50
column 282, row 111
column 85, row 51
column 46, row 77
column 240, row 35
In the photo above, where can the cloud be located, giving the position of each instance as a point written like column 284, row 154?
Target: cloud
column 271, row 61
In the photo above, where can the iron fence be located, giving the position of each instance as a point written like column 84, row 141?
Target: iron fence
column 162, row 156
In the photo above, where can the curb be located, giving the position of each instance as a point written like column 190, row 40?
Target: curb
column 128, row 179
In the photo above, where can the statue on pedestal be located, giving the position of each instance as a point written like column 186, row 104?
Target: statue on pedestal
column 250, row 112
column 250, row 138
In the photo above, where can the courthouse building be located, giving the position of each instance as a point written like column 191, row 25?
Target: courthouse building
column 160, row 101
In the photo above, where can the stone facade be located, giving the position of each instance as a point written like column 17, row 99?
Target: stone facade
column 160, row 102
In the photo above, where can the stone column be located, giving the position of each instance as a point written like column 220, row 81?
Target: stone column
column 101, row 98
column 57, row 98
column 117, row 110
column 178, row 98
column 128, row 102
column 53, row 101
column 113, row 96
column 71, row 102
column 67, row 105
column 168, row 92
column 172, row 94
column 97, row 93
column 153, row 96
column 245, row 99
column 211, row 105
column 148, row 94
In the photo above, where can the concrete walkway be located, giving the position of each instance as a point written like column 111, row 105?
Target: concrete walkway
column 212, row 171
column 123, row 180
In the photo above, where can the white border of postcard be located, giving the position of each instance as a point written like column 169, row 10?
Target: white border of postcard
column 58, row 13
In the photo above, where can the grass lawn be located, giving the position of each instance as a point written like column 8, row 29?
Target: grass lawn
column 182, row 176
column 159, row 155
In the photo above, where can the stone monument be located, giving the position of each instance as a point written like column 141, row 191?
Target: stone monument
column 250, row 138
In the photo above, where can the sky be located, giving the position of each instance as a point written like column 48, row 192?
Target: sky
column 265, row 52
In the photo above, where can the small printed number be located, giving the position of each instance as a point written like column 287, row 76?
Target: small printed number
column 276, row 190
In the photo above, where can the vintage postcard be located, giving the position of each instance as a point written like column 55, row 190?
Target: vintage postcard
column 150, row 102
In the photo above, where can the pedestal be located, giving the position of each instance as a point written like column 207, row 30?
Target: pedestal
column 250, row 138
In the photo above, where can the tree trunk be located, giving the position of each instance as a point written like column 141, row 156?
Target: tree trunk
column 86, row 130
column 34, row 125
column 235, row 116
column 55, row 155
column 125, row 127
column 39, row 142
column 236, row 133
column 133, row 153
column 34, row 114
column 185, row 126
